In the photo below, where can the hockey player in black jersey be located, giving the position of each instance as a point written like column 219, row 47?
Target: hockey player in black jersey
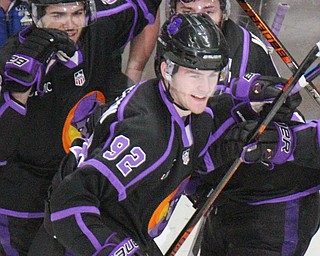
column 46, row 77
column 247, row 52
column 255, row 194
column 142, row 149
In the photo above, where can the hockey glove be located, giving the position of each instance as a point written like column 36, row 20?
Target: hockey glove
column 253, row 95
column 27, row 66
column 274, row 146
column 114, row 246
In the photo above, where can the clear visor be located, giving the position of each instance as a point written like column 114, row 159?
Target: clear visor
column 73, row 15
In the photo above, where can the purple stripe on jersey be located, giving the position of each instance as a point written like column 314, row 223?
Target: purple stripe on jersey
column 291, row 228
column 3, row 163
column 208, row 162
column 112, row 128
column 72, row 211
column 210, row 112
column 5, row 237
column 101, row 14
column 299, row 128
column 24, row 215
column 146, row 12
column 158, row 162
column 12, row 104
column 87, row 232
column 134, row 23
column 71, row 63
column 22, row 34
column 125, row 101
column 107, row 243
column 221, row 130
column 119, row 9
column 174, row 114
column 318, row 131
column 103, row 169
column 245, row 52
column 288, row 198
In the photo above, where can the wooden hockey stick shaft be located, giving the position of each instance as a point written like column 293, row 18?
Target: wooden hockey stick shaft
column 277, row 46
column 213, row 194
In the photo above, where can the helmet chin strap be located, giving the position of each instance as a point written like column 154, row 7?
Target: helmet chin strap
column 170, row 98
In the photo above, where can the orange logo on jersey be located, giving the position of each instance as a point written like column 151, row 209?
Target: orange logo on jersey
column 165, row 209
column 78, row 114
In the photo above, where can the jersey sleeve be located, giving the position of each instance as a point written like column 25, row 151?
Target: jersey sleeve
column 11, row 122
column 307, row 149
column 118, row 22
column 214, row 155
column 260, row 61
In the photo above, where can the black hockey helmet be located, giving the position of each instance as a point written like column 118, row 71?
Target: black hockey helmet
column 38, row 9
column 225, row 6
column 192, row 41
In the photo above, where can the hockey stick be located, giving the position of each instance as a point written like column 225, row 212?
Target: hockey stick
column 213, row 194
column 312, row 73
column 277, row 46
column 277, row 22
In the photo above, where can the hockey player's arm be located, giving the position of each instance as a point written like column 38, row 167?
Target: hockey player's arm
column 260, row 61
column 138, row 55
column 254, row 93
column 12, row 114
column 307, row 148
column 26, row 67
column 76, row 217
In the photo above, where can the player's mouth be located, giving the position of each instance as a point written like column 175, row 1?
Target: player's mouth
column 199, row 98
column 71, row 33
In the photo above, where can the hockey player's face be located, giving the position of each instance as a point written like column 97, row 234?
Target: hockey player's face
column 66, row 17
column 210, row 7
column 192, row 88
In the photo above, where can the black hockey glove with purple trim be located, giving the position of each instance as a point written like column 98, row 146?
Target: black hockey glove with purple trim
column 274, row 146
column 26, row 67
column 253, row 95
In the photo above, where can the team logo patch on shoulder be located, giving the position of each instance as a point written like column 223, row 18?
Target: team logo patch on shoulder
column 186, row 156
column 79, row 78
